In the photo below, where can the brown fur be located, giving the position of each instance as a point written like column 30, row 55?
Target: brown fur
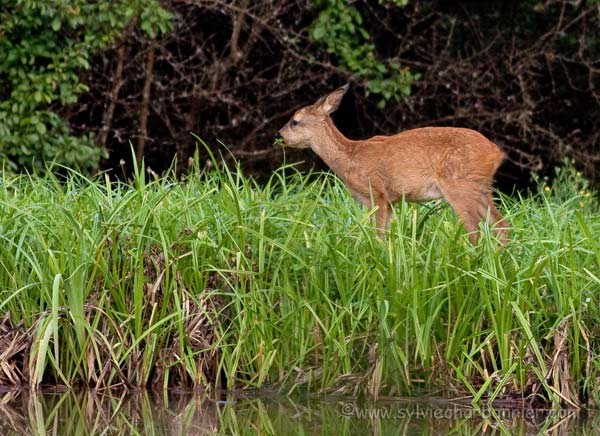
column 422, row 164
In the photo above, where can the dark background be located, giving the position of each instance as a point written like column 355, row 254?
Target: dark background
column 524, row 73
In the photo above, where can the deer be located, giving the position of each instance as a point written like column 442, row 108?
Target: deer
column 429, row 163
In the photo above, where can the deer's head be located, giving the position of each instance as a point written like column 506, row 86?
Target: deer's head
column 309, row 121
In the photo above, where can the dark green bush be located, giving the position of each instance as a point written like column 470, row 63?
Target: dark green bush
column 45, row 46
column 339, row 26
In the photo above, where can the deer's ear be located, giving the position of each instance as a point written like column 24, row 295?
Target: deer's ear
column 329, row 103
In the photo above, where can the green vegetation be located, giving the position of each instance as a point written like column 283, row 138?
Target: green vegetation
column 339, row 26
column 217, row 281
column 45, row 46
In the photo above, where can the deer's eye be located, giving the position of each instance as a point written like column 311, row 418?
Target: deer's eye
column 294, row 123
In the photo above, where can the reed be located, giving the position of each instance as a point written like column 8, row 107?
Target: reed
column 217, row 281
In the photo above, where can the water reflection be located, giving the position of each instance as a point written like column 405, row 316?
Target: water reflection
column 85, row 413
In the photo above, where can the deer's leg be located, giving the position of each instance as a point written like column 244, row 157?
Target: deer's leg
column 500, row 225
column 376, row 199
column 465, row 200
column 382, row 215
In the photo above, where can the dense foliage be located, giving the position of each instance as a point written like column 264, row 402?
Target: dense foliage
column 45, row 46
column 339, row 26
column 81, row 77
column 216, row 281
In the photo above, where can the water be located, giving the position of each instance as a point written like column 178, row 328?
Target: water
column 86, row 413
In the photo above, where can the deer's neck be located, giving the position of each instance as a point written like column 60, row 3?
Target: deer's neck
column 334, row 148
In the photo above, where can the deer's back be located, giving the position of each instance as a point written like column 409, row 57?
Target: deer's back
column 411, row 161
column 438, row 148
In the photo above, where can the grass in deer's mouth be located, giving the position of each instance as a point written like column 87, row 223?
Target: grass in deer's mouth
column 219, row 281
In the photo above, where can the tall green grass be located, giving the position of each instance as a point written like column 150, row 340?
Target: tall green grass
column 217, row 281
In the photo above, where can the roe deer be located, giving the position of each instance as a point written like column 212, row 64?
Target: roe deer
column 429, row 163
